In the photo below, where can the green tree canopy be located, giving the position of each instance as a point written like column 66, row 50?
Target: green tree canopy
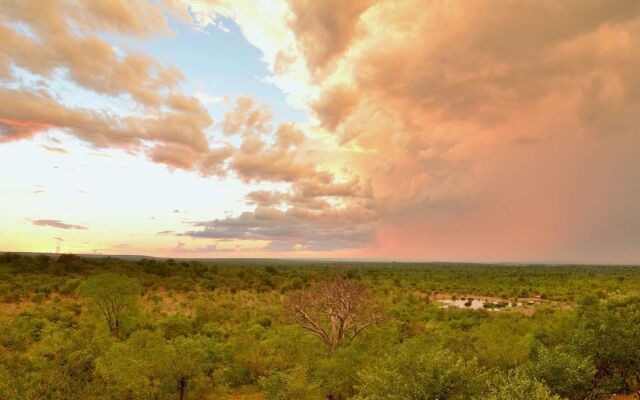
column 517, row 385
column 138, row 367
column 148, row 366
column 114, row 296
column 565, row 373
column 415, row 373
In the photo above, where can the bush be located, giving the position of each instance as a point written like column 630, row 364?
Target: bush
column 416, row 373
column 264, row 321
column 177, row 325
column 516, row 385
column 179, row 283
column 155, row 298
column 566, row 374
column 69, row 287
column 45, row 289
column 208, row 284
column 257, row 330
column 38, row 298
column 214, row 331
column 608, row 332
column 293, row 384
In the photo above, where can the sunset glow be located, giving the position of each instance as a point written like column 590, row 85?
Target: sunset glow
column 409, row 130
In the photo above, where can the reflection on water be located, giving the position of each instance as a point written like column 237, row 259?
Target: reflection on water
column 475, row 304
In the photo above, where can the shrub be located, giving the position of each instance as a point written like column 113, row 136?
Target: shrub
column 416, row 373
column 38, row 298
column 516, row 385
column 264, row 321
column 69, row 287
column 256, row 330
column 568, row 375
column 293, row 384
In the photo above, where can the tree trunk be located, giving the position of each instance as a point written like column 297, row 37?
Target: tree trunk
column 182, row 387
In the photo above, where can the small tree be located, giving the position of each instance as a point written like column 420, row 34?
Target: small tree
column 114, row 296
column 138, row 367
column 193, row 357
column 565, row 373
column 333, row 310
column 148, row 366
column 415, row 372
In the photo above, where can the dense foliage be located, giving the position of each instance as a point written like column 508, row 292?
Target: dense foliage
column 106, row 328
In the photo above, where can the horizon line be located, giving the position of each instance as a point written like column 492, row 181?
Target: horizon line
column 329, row 259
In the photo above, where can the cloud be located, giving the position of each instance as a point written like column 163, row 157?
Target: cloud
column 524, row 141
column 54, row 149
column 273, row 165
column 132, row 16
column 11, row 130
column 479, row 134
column 64, row 38
column 181, row 247
column 247, row 117
column 212, row 163
column 89, row 60
column 265, row 154
column 315, row 230
column 56, row 224
column 266, row 198
column 289, row 135
column 319, row 212
column 174, row 155
column 334, row 105
column 178, row 135
column 325, row 29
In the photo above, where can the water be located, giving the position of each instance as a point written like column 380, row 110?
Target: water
column 476, row 304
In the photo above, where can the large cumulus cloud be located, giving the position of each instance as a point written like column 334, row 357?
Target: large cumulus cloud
column 489, row 131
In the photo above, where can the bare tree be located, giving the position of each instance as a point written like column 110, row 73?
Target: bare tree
column 334, row 310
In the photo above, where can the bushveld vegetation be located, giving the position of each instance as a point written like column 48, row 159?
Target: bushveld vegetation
column 107, row 328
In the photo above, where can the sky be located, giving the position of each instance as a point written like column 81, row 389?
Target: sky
column 438, row 130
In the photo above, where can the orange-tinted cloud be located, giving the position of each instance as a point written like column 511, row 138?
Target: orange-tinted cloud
column 487, row 130
column 56, row 224
column 89, row 60
column 63, row 36
column 16, row 130
column 316, row 203
column 335, row 104
column 247, row 117
column 178, row 135
column 289, row 135
column 325, row 29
